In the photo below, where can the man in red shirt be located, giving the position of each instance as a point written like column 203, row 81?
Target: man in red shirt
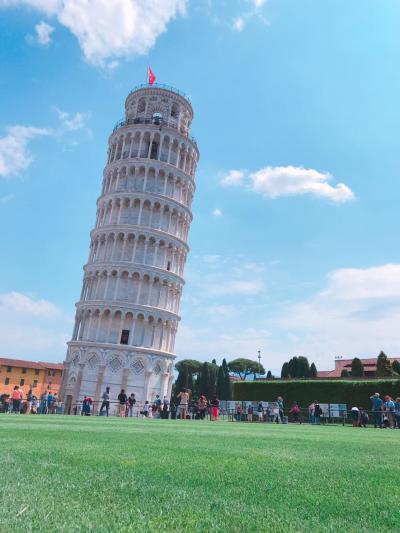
column 16, row 399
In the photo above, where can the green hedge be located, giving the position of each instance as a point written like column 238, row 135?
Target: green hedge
column 351, row 392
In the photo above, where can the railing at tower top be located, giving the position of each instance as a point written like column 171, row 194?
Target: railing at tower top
column 161, row 86
column 158, row 121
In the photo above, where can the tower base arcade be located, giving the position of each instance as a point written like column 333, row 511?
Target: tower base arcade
column 91, row 367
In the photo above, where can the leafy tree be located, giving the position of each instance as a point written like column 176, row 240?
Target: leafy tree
column 269, row 374
column 193, row 366
column 313, row 371
column 214, row 362
column 285, row 371
column 383, row 366
column 357, row 368
column 396, row 367
column 245, row 367
column 345, row 373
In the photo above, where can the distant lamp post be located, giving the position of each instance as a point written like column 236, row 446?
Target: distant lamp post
column 259, row 362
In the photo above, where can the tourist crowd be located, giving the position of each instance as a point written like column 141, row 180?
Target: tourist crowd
column 48, row 403
column 384, row 412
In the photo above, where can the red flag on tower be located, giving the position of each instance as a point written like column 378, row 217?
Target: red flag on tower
column 151, row 76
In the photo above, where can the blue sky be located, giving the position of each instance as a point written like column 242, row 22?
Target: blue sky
column 295, row 239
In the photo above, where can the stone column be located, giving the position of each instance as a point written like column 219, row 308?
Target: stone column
column 169, row 390
column 125, row 376
column 164, row 379
column 99, row 385
column 147, row 377
column 75, row 396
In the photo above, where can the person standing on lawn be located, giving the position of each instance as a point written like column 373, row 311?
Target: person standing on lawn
column 214, row 408
column 317, row 413
column 29, row 398
column 281, row 407
column 295, row 412
column 355, row 416
column 363, row 418
column 202, row 406
column 43, row 404
column 165, row 409
column 390, row 411
column 16, row 399
column 122, row 399
column 260, row 412
column 106, row 401
column 397, row 411
column 377, row 406
column 183, row 404
column 50, row 399
column 131, row 404
column 157, row 403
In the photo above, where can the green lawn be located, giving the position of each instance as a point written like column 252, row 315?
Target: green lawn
column 65, row 474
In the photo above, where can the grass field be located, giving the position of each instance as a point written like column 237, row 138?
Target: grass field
column 70, row 474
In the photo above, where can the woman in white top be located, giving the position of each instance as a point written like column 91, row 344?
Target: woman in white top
column 183, row 404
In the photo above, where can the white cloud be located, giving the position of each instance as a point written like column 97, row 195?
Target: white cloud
column 32, row 328
column 275, row 182
column 217, row 212
column 381, row 282
column 50, row 7
column 17, row 302
column 254, row 11
column 14, row 153
column 238, row 24
column 108, row 30
column 7, row 198
column 234, row 177
column 43, row 34
column 72, row 122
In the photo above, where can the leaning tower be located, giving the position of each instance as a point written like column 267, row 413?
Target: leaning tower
column 128, row 313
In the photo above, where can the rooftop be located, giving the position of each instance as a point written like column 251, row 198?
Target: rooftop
column 21, row 363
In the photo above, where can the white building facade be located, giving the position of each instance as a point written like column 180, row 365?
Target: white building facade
column 127, row 317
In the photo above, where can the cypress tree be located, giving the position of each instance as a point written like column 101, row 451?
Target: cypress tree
column 227, row 385
column 285, row 370
column 396, row 367
column 357, row 368
column 220, row 384
column 383, row 366
column 203, row 379
column 313, row 371
column 269, row 374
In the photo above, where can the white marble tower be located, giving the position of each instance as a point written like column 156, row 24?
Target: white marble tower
column 127, row 316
